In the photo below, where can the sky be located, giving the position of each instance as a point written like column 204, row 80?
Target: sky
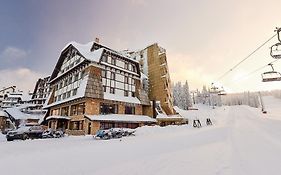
column 203, row 38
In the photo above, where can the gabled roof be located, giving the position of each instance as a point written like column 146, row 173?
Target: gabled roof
column 83, row 49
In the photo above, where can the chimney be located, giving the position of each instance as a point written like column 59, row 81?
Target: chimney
column 97, row 40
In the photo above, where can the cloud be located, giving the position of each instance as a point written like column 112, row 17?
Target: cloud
column 138, row 2
column 13, row 53
column 185, row 67
column 23, row 78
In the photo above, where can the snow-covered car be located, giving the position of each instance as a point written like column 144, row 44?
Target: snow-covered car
column 114, row 133
column 25, row 132
column 50, row 133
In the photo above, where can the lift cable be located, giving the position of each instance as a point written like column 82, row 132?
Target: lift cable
column 260, row 68
column 235, row 66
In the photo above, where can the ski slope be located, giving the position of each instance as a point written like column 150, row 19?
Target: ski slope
column 242, row 141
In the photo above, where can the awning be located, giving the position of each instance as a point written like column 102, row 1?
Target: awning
column 122, row 118
column 57, row 117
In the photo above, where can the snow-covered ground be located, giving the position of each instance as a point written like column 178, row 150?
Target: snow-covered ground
column 242, row 141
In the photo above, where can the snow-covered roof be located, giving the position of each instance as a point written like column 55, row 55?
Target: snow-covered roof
column 3, row 114
column 15, row 95
column 57, row 117
column 17, row 114
column 164, row 116
column 115, row 97
column 121, row 118
column 85, row 50
column 26, row 96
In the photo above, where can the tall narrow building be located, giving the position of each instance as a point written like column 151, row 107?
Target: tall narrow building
column 153, row 63
column 41, row 91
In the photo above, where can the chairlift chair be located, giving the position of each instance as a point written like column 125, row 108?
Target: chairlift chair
column 278, row 30
column 275, row 51
column 271, row 75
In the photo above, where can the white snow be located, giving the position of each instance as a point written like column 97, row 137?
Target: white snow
column 243, row 141
column 85, row 50
column 57, row 117
column 3, row 114
column 17, row 114
column 115, row 97
column 121, row 118
column 2, row 138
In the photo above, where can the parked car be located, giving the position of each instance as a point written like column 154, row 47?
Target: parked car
column 113, row 133
column 50, row 133
column 25, row 132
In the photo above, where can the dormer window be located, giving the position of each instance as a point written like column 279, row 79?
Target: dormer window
column 126, row 65
column 104, row 58
column 113, row 61
column 133, row 68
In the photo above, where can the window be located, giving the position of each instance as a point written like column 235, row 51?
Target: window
column 113, row 61
column 104, row 58
column 76, row 125
column 82, row 74
column 133, row 68
column 103, row 73
column 56, row 87
column 133, row 94
column 59, row 98
column 64, row 111
column 63, row 95
column 133, row 81
column 112, row 76
column 74, row 92
column 70, row 80
column 104, row 88
column 126, row 93
column 73, row 110
column 68, row 94
column 60, row 86
column 112, row 90
column 78, row 60
column 71, row 65
column 129, row 110
column 76, row 77
column 108, row 108
column 126, row 65
column 126, row 80
column 81, row 109
column 65, row 82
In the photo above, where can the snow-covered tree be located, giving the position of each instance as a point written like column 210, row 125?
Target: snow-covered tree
column 181, row 94
column 186, row 95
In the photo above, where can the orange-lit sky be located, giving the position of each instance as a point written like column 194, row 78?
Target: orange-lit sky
column 203, row 38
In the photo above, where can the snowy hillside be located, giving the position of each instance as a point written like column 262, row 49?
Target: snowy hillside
column 272, row 106
column 2, row 138
column 243, row 141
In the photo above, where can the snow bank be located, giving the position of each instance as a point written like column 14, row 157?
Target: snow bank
column 272, row 106
column 2, row 137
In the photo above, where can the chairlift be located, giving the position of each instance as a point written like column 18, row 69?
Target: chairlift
column 271, row 75
column 275, row 51
column 278, row 30
column 222, row 92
